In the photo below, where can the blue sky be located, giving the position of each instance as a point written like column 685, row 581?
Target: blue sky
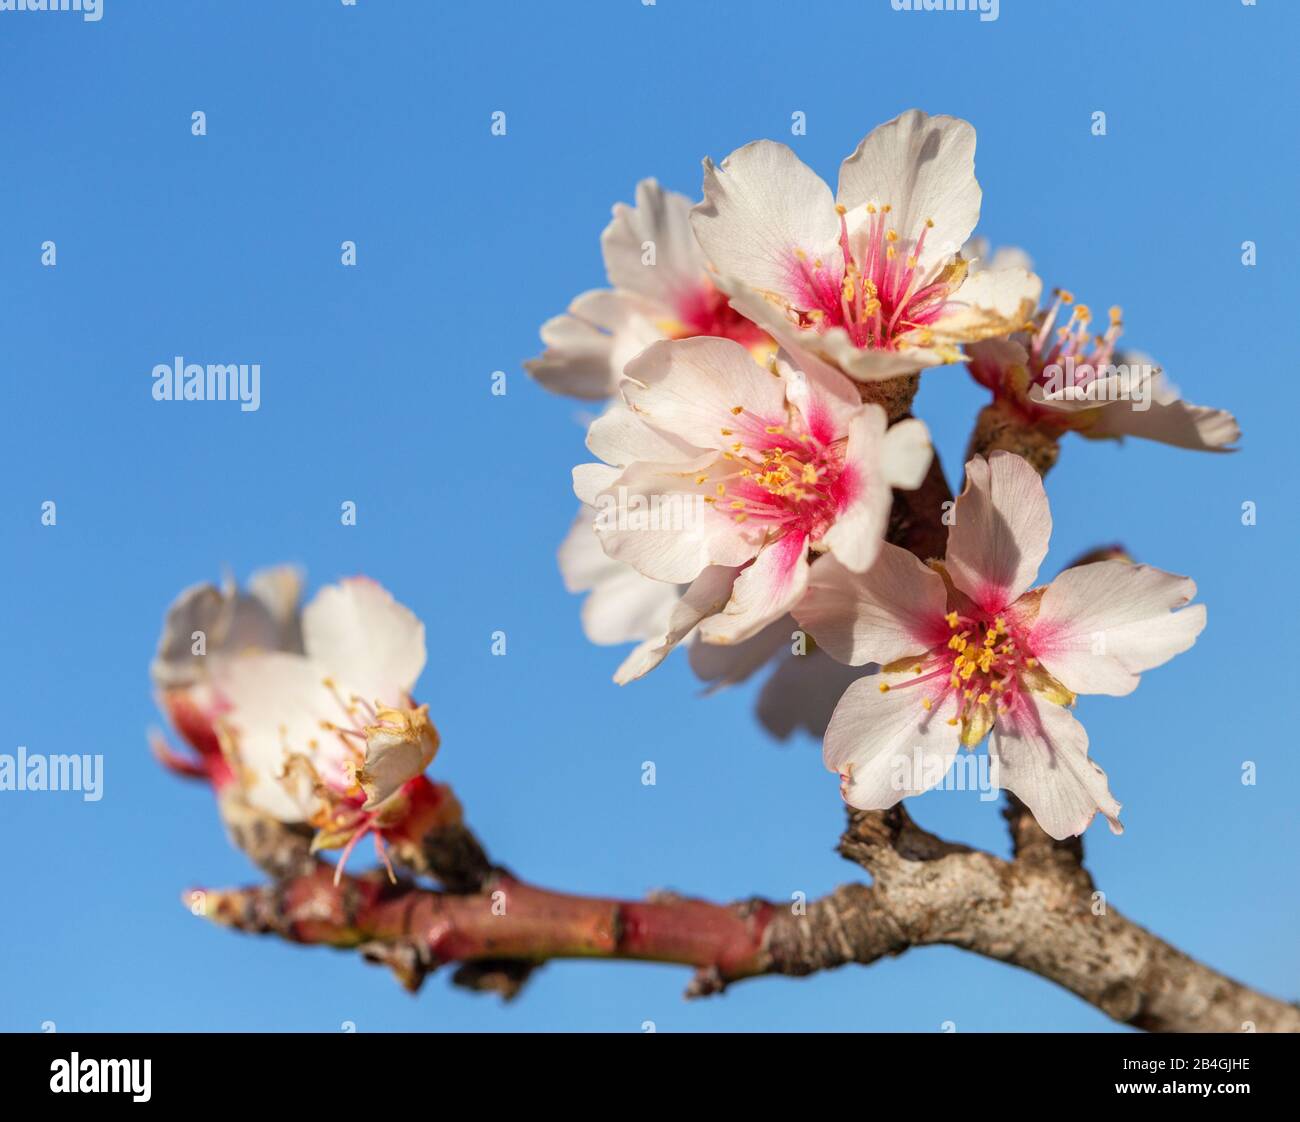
column 371, row 123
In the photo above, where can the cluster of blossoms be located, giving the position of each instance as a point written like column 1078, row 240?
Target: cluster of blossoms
column 756, row 353
column 307, row 714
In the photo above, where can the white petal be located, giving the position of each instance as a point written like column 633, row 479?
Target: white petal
column 976, row 252
column 588, row 346
column 1001, row 530
column 989, row 303
column 1041, row 755
column 583, row 563
column 893, row 610
column 762, row 209
column 623, row 606
column 1100, row 625
column 590, row 481
column 763, row 592
column 627, row 607
column 279, row 590
column 201, row 607
column 728, row 665
column 689, row 387
column 1162, row 415
column 654, row 518
column 924, row 168
column 619, row 436
column 907, row 454
column 663, row 219
column 859, row 529
column 801, row 694
column 887, row 745
column 360, row 635
column 274, row 704
column 232, row 621
column 827, row 399
column 706, row 595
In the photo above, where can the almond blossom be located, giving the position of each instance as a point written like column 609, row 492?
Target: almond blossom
column 331, row 736
column 871, row 279
column 969, row 649
column 662, row 290
column 622, row 606
column 1070, row 378
column 205, row 624
column 727, row 476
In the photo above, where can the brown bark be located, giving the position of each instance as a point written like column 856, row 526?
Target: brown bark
column 1038, row 911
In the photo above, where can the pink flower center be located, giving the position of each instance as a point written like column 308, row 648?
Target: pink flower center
column 786, row 476
column 876, row 292
column 985, row 665
column 704, row 310
column 1068, row 355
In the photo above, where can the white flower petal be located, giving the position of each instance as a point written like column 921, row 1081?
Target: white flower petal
column 1100, row 625
column 689, row 388
column 662, row 219
column 1001, row 530
column 731, row 664
column 360, row 635
column 762, row 209
column 623, row 606
column 989, row 303
column 274, row 705
column 859, row 529
column 893, row 610
column 588, row 346
column 924, row 168
column 801, row 694
column 706, row 595
column 763, row 592
column 886, row 745
column 590, row 481
column 906, row 454
column 1041, row 755
column 654, row 518
column 1166, row 417
column 619, row 436
column 976, row 253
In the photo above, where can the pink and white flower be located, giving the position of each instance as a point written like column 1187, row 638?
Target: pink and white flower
column 204, row 625
column 1067, row 378
column 662, row 290
column 969, row 649
column 870, row 279
column 621, row 606
column 729, row 477
column 331, row 736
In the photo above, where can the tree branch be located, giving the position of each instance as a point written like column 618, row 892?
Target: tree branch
column 1035, row 912
column 1039, row 911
